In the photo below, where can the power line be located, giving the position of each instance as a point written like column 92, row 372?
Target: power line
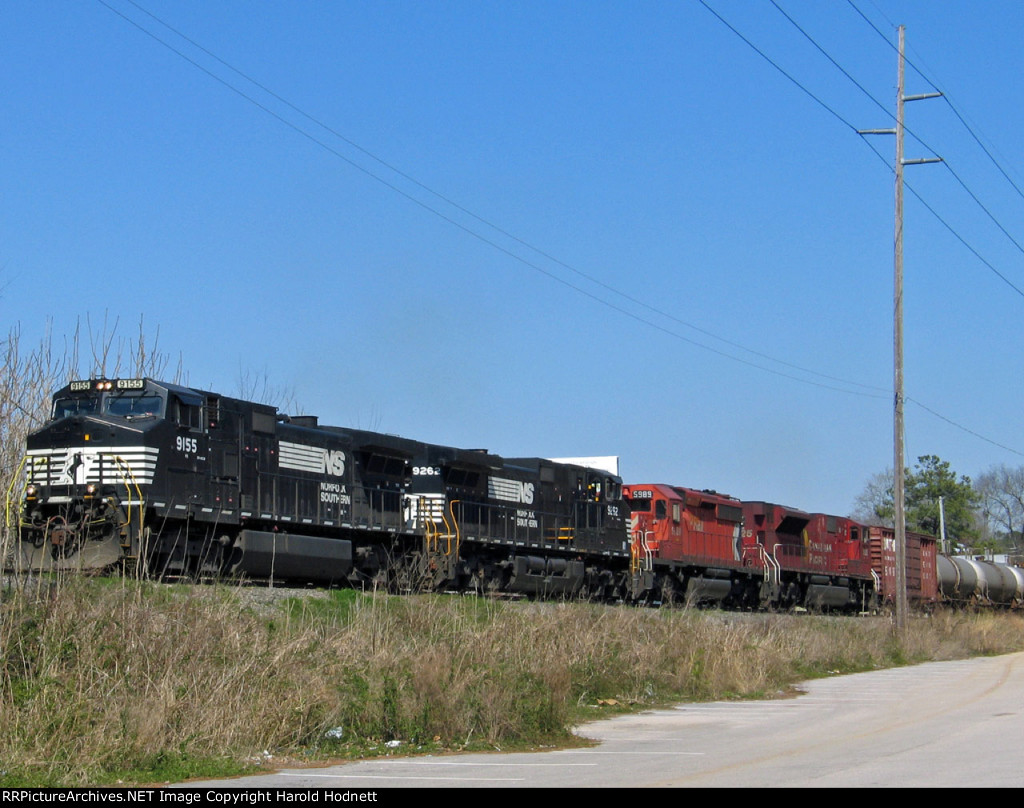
column 962, row 428
column 947, row 99
column 844, row 121
column 879, row 392
column 838, row 66
column 778, row 67
column 490, row 242
column 949, row 168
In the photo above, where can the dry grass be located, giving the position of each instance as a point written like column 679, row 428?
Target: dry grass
column 110, row 678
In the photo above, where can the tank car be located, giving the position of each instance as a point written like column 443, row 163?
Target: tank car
column 172, row 480
column 980, row 582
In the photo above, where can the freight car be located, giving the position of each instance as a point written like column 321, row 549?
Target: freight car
column 171, row 480
column 933, row 577
column 980, row 582
column 921, row 565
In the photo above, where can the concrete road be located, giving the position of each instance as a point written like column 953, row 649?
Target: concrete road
column 944, row 724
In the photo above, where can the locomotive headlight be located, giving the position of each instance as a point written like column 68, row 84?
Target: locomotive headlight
column 30, row 492
column 90, row 489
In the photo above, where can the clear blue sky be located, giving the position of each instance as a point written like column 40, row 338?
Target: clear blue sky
column 541, row 228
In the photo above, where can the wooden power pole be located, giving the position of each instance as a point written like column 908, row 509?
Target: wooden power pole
column 899, row 515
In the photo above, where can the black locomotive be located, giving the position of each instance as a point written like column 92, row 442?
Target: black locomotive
column 175, row 481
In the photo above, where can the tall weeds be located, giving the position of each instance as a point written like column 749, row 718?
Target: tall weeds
column 102, row 677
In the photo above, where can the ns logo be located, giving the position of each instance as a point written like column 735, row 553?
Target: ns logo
column 510, row 490
column 333, row 463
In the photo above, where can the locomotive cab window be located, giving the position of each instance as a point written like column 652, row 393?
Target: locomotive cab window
column 188, row 415
column 612, row 489
column 134, row 406
column 63, row 407
column 660, row 509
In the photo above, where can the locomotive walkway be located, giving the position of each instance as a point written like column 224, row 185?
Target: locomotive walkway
column 942, row 724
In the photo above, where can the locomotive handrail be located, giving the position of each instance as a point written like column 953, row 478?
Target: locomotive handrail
column 430, row 532
column 129, row 480
column 772, row 567
column 447, row 534
column 455, row 522
column 640, row 538
column 565, row 533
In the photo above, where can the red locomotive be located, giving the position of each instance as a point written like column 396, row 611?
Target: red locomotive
column 702, row 546
column 687, row 545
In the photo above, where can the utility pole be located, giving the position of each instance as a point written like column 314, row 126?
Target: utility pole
column 942, row 527
column 899, row 516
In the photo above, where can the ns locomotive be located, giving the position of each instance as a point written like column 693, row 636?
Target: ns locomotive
column 178, row 481
column 174, row 481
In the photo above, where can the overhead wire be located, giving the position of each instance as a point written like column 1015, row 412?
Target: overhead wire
column 953, row 232
column 949, row 167
column 945, row 162
column 907, row 185
column 948, row 100
column 872, row 390
column 505, row 250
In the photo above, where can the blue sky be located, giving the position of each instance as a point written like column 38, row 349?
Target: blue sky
column 542, row 228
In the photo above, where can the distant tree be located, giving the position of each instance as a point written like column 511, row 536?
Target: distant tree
column 933, row 479
column 874, row 505
column 112, row 355
column 930, row 480
column 1002, row 494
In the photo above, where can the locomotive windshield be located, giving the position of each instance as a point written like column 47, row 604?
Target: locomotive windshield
column 120, row 403
column 133, row 406
column 63, row 407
